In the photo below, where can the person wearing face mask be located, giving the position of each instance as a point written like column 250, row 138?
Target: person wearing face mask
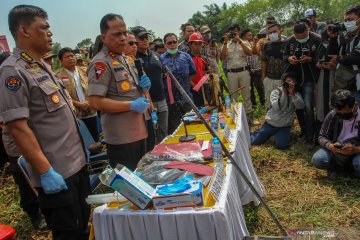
column 324, row 83
column 183, row 68
column 348, row 58
column 340, row 136
column 272, row 63
column 300, row 56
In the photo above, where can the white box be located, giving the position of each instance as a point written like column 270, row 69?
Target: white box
column 132, row 187
column 191, row 197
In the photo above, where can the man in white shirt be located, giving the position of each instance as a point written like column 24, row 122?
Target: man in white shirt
column 235, row 52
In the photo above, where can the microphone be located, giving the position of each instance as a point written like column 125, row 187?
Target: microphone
column 138, row 64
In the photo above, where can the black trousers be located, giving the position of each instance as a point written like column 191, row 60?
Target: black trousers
column 66, row 212
column 91, row 124
column 151, row 139
column 175, row 113
column 127, row 154
column 198, row 98
column 29, row 202
column 3, row 155
column 258, row 84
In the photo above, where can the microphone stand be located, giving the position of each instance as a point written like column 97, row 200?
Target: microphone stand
column 187, row 137
column 227, row 153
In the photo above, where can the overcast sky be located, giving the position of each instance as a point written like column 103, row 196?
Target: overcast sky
column 74, row 20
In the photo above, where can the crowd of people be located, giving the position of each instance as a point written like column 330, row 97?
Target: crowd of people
column 313, row 74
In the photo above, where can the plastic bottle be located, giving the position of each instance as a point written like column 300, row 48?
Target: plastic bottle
column 213, row 123
column 217, row 154
column 227, row 105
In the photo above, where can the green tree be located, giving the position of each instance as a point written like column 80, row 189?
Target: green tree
column 85, row 43
column 211, row 17
column 252, row 13
column 55, row 50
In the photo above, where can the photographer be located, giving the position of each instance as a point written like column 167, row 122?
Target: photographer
column 300, row 57
column 280, row 117
column 348, row 47
column 340, row 136
column 235, row 50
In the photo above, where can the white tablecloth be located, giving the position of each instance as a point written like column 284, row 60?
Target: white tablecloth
column 224, row 221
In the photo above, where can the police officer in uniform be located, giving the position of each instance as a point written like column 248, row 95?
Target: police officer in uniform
column 115, row 90
column 36, row 111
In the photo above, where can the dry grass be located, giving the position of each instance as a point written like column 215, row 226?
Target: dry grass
column 300, row 195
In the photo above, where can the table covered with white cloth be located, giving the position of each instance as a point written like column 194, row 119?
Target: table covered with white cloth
column 225, row 220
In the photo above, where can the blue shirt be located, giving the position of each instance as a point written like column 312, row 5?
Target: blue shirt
column 182, row 66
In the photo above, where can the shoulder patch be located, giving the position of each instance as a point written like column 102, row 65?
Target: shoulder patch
column 13, row 83
column 99, row 69
column 26, row 57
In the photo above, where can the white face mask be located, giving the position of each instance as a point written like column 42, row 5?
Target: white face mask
column 274, row 37
column 350, row 26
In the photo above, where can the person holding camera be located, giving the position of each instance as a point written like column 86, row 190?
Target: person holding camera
column 348, row 48
column 340, row 136
column 280, row 117
column 300, row 56
column 235, row 50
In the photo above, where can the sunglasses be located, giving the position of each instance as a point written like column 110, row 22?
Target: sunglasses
column 172, row 43
column 131, row 43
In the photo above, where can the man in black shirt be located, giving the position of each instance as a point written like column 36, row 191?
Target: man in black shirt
column 300, row 57
column 272, row 61
column 153, row 69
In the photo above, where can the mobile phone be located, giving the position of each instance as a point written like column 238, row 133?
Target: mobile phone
column 261, row 35
column 339, row 145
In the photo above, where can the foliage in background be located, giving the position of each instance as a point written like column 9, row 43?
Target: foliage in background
column 85, row 44
column 252, row 13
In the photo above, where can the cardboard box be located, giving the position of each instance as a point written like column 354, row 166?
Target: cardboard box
column 191, row 197
column 132, row 187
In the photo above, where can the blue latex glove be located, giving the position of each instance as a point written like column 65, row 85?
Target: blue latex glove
column 145, row 82
column 52, row 182
column 139, row 105
column 203, row 110
column 154, row 117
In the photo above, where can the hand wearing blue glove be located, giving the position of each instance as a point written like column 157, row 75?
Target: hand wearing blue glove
column 52, row 182
column 139, row 105
column 154, row 117
column 145, row 82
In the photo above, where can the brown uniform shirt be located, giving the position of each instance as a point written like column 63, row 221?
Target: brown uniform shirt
column 29, row 90
column 70, row 85
column 114, row 77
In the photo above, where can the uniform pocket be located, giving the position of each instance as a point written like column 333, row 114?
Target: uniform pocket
column 52, row 96
column 124, row 82
column 59, row 210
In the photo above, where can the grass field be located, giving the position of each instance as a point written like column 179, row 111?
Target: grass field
column 300, row 195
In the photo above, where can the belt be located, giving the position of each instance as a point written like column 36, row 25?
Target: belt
column 238, row 69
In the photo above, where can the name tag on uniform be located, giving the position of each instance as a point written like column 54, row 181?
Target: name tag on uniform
column 42, row 78
column 117, row 69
